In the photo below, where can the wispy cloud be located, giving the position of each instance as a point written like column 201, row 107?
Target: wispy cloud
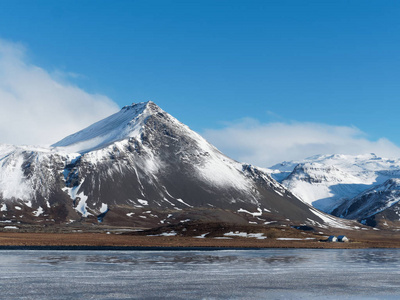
column 266, row 144
column 39, row 107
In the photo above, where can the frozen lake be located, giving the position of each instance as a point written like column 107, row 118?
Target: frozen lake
column 228, row 274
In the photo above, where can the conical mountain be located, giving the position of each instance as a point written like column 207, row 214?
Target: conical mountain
column 143, row 167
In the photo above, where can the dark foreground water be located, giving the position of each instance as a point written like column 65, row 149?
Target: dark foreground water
column 244, row 274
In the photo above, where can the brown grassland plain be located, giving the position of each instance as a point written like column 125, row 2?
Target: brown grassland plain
column 276, row 237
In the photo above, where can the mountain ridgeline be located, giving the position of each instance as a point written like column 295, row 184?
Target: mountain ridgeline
column 142, row 167
column 364, row 187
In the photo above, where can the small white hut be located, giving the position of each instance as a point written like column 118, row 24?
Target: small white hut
column 332, row 238
column 343, row 239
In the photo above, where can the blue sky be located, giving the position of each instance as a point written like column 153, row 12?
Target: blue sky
column 216, row 65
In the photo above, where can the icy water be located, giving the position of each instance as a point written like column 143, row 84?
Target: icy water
column 229, row 274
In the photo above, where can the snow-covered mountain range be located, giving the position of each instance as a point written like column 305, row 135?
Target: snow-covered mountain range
column 142, row 167
column 363, row 187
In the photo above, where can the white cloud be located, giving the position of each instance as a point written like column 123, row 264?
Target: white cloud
column 266, row 144
column 38, row 107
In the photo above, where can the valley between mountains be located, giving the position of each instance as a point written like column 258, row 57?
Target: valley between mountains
column 142, row 169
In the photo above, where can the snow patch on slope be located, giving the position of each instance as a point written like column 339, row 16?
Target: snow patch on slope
column 258, row 236
column 143, row 202
column 38, row 212
column 103, row 208
column 81, row 206
column 254, row 214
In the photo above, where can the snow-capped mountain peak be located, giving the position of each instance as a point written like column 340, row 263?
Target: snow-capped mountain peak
column 126, row 123
column 143, row 166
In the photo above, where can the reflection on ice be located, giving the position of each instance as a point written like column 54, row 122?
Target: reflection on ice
column 172, row 258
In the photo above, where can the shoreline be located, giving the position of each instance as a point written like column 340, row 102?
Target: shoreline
column 175, row 249
column 126, row 248
column 101, row 241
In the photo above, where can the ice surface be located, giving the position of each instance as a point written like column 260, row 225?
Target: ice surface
column 251, row 274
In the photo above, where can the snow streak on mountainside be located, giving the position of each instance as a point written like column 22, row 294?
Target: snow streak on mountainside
column 143, row 166
column 344, row 185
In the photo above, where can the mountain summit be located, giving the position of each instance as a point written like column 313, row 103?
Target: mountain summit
column 126, row 123
column 142, row 167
